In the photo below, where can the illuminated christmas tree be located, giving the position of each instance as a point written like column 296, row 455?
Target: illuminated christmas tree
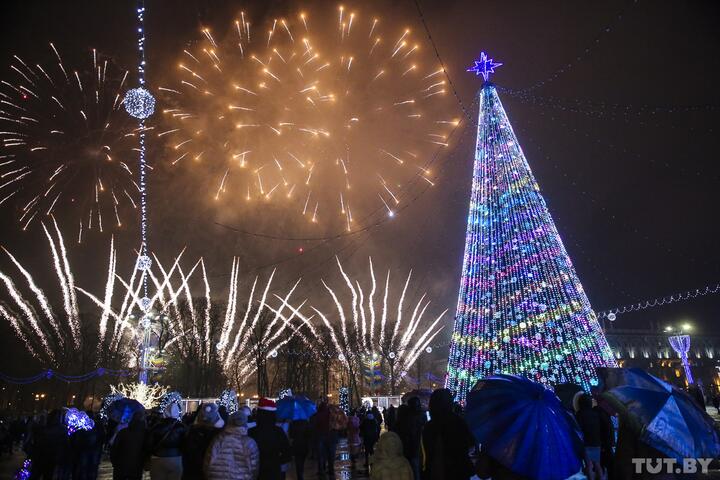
column 521, row 308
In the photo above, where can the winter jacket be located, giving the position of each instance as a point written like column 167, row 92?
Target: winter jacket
column 126, row 453
column 353, row 430
column 299, row 433
column 369, row 431
column 338, row 419
column 589, row 421
column 273, row 445
column 166, row 437
column 388, row 461
column 446, row 441
column 49, row 447
column 232, row 455
column 193, row 448
column 409, row 427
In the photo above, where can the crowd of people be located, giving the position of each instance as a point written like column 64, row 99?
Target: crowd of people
column 409, row 442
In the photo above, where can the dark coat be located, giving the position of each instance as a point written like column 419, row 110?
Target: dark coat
column 299, row 433
column 193, row 447
column 49, row 447
column 273, row 444
column 166, row 437
column 369, row 431
column 446, row 441
column 127, row 454
column 589, row 421
column 409, row 426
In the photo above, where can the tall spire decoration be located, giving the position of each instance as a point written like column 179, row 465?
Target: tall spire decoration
column 521, row 308
column 140, row 104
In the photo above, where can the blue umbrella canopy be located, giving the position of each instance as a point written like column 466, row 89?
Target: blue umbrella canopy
column 122, row 410
column 524, row 426
column 295, row 407
column 666, row 418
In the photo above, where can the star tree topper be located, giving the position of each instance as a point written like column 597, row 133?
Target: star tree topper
column 484, row 66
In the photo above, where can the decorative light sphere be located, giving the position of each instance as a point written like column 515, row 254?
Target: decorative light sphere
column 391, row 355
column 612, row 317
column 274, row 353
column 144, row 263
column 139, row 103
column 145, row 303
column 428, row 349
column 341, row 357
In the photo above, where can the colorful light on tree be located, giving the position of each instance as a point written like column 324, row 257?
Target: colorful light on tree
column 521, row 308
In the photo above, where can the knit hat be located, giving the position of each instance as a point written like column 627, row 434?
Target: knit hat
column 208, row 415
column 266, row 404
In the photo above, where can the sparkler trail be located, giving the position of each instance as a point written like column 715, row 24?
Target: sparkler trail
column 310, row 116
column 65, row 144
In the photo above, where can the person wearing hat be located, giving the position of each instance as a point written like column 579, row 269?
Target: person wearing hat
column 164, row 442
column 207, row 424
column 271, row 440
column 232, row 455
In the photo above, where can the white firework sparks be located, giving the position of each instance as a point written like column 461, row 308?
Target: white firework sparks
column 398, row 339
column 48, row 336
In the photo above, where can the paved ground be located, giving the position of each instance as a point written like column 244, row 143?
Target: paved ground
column 343, row 470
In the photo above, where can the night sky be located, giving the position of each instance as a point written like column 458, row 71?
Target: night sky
column 619, row 131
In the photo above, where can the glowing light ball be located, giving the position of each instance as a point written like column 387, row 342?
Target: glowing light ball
column 139, row 103
column 144, row 263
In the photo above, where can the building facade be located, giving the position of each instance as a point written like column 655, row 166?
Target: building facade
column 651, row 351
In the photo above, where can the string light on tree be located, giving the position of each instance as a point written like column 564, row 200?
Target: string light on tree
column 521, row 307
column 344, row 399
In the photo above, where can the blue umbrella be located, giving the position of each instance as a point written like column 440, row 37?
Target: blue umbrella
column 666, row 418
column 295, row 407
column 122, row 410
column 524, row 426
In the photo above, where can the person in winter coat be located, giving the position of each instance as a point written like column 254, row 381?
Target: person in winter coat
column 353, row 437
column 271, row 441
column 84, row 450
column 126, row 451
column 446, row 441
column 198, row 438
column 588, row 420
column 49, row 449
column 409, row 426
column 325, row 439
column 232, row 455
column 164, row 442
column 300, row 443
column 388, row 461
column 390, row 417
column 370, row 432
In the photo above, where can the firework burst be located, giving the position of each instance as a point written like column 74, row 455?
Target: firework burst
column 54, row 338
column 375, row 321
column 308, row 116
column 65, row 142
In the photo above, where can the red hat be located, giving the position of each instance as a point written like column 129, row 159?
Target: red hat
column 266, row 404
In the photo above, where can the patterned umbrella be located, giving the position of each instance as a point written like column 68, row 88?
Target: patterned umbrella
column 666, row 417
column 523, row 425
